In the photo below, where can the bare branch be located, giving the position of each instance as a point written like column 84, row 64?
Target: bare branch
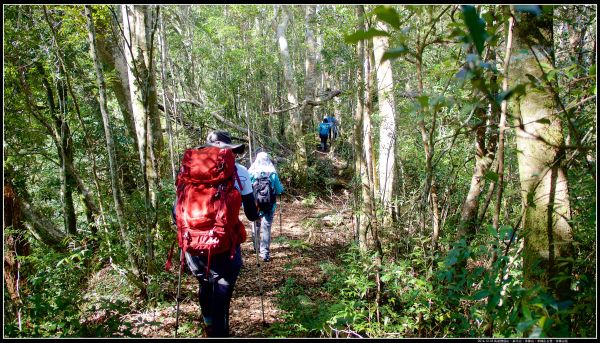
column 308, row 102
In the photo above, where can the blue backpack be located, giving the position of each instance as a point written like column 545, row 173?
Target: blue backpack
column 324, row 129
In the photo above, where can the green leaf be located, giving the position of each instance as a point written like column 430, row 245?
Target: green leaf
column 394, row 53
column 592, row 71
column 388, row 15
column 491, row 230
column 526, row 311
column 534, row 80
column 524, row 326
column 423, row 100
column 386, row 277
column 476, row 27
column 481, row 294
column 488, row 17
column 531, row 199
column 490, row 175
column 534, row 9
column 543, row 121
column 452, row 260
column 361, row 35
column 515, row 91
column 506, row 232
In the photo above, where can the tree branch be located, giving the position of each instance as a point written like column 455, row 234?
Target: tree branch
column 189, row 126
column 308, row 102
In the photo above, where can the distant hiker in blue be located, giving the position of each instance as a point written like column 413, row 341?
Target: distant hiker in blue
column 267, row 187
column 333, row 133
column 324, row 131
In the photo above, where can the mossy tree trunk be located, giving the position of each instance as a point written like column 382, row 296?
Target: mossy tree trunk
column 139, row 25
column 540, row 144
column 110, row 146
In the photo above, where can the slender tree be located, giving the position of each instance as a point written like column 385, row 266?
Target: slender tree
column 387, row 128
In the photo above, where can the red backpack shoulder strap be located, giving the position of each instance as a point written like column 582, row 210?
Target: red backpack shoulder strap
column 236, row 178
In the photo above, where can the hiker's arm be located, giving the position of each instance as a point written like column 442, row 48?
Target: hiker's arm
column 250, row 209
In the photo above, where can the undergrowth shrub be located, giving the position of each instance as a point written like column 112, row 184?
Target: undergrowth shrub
column 462, row 293
column 59, row 299
column 53, row 293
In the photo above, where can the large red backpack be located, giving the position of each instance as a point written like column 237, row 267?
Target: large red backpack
column 208, row 204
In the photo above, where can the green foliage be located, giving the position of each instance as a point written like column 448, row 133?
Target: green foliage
column 303, row 316
column 388, row 14
column 310, row 200
column 457, row 298
column 53, row 294
column 298, row 244
column 452, row 292
column 362, row 35
column 476, row 27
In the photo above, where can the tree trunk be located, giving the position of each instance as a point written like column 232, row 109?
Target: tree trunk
column 37, row 224
column 300, row 160
column 110, row 146
column 15, row 245
column 61, row 137
column 502, row 124
column 310, row 70
column 483, row 161
column 429, row 192
column 387, row 129
column 368, row 176
column 359, row 162
column 163, row 50
column 66, row 157
column 111, row 53
column 138, row 40
column 544, row 188
column 65, row 147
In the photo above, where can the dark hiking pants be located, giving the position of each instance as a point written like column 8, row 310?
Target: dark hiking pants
column 323, row 142
column 216, row 289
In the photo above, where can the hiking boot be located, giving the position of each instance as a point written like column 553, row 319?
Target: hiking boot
column 266, row 259
column 207, row 331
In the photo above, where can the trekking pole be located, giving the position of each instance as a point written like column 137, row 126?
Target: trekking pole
column 178, row 289
column 256, row 248
column 280, row 209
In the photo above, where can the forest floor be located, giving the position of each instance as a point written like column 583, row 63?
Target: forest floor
column 309, row 232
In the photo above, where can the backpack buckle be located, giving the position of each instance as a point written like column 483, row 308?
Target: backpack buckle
column 220, row 188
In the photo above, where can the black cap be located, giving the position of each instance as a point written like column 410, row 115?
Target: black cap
column 222, row 139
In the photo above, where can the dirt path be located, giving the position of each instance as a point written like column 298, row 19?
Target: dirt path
column 297, row 249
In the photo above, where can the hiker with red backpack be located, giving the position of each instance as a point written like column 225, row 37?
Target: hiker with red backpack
column 211, row 188
column 267, row 186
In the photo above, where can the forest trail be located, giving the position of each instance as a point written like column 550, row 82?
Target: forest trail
column 306, row 237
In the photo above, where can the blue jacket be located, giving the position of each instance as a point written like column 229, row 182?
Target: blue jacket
column 332, row 122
